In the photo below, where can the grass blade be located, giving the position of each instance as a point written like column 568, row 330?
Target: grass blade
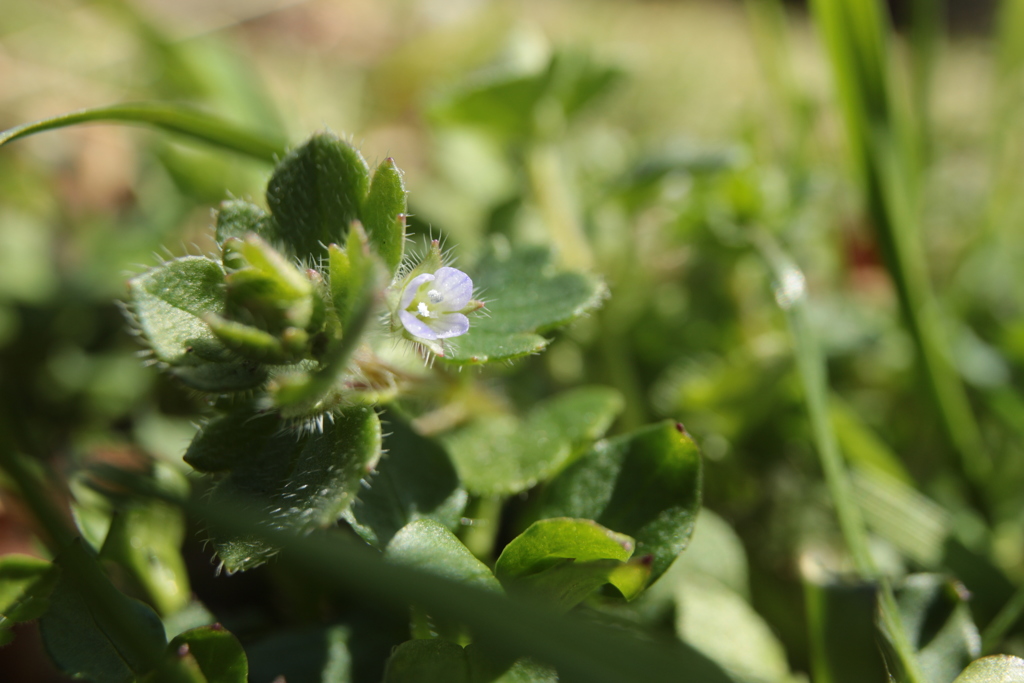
column 887, row 154
column 172, row 118
column 791, row 295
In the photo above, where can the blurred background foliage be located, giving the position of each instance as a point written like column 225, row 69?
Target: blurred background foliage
column 659, row 138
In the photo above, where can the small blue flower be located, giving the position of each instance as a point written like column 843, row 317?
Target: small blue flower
column 433, row 305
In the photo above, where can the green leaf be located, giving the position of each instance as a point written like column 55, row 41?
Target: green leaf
column 301, row 480
column 176, row 119
column 721, row 624
column 916, row 525
column 25, row 586
column 355, row 275
column 526, row 296
column 716, row 551
column 431, row 547
column 578, row 81
column 92, row 630
column 415, row 480
column 645, row 484
column 193, row 615
column 315, row 193
column 178, row 666
column 503, row 455
column 994, row 669
column 632, row 577
column 306, row 394
column 250, row 342
column 230, row 440
column 145, row 538
column 383, row 214
column 266, row 289
column 844, row 638
column 938, row 624
column 562, row 560
column 237, row 218
column 169, row 303
column 217, row 652
column 582, row 651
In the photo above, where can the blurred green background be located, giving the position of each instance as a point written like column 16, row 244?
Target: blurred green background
column 698, row 126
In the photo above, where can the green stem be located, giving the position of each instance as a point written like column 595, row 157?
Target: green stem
column 791, row 295
column 890, row 199
column 546, row 170
column 1002, row 622
column 482, row 533
column 886, row 153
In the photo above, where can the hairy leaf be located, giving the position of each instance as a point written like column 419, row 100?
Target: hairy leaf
column 316, row 191
column 169, row 302
column 383, row 213
column 290, row 479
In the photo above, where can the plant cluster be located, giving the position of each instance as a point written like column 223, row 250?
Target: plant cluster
column 439, row 436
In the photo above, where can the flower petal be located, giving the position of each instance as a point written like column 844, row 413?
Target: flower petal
column 417, row 327
column 449, row 325
column 455, row 286
column 413, row 287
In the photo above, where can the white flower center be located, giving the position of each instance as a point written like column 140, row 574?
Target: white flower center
column 422, row 310
column 435, row 296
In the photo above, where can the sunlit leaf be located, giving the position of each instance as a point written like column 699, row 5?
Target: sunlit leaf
column 429, row 546
column 562, row 560
column 722, row 624
column 938, row 624
column 25, row 587
column 994, row 669
column 645, row 484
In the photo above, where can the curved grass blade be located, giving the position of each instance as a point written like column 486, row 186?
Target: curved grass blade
column 578, row 650
column 185, row 121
